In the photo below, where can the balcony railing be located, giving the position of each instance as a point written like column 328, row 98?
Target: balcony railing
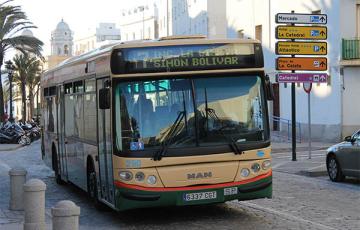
column 351, row 49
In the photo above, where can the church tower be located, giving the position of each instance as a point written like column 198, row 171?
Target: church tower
column 62, row 40
column 61, row 45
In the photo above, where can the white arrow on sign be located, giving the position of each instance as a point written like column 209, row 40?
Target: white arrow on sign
column 301, row 18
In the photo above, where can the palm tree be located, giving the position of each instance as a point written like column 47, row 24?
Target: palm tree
column 32, row 82
column 25, row 67
column 12, row 21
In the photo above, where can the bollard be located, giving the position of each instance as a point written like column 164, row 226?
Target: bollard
column 65, row 215
column 17, row 180
column 34, row 205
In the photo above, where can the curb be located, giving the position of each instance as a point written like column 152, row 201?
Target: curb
column 284, row 150
column 313, row 173
column 3, row 147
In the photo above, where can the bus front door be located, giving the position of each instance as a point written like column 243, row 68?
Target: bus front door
column 61, row 137
column 106, row 185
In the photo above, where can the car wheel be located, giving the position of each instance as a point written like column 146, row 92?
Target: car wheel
column 334, row 169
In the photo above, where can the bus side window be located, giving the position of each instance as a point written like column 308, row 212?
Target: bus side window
column 104, row 98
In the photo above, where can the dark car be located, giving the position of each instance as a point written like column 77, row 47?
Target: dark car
column 343, row 159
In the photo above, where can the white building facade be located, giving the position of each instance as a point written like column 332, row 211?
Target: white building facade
column 140, row 22
column 105, row 33
column 332, row 116
column 192, row 17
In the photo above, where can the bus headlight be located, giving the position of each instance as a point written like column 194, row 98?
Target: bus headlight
column 255, row 167
column 245, row 172
column 139, row 176
column 266, row 164
column 151, row 179
column 125, row 175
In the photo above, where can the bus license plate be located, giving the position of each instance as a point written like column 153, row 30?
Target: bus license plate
column 200, row 196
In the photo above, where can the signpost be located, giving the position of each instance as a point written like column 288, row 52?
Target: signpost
column 303, row 63
column 302, row 77
column 289, row 18
column 301, row 32
column 307, row 88
column 296, row 44
column 301, row 48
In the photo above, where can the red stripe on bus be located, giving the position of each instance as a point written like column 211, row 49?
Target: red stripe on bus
column 137, row 187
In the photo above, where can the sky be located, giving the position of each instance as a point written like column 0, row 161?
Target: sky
column 80, row 15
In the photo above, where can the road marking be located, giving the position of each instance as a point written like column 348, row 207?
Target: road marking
column 283, row 214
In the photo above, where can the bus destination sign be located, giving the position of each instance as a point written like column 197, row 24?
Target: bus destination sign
column 187, row 58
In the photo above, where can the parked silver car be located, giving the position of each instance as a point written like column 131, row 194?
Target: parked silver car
column 343, row 159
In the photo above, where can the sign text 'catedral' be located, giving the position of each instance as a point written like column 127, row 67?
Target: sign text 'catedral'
column 301, row 32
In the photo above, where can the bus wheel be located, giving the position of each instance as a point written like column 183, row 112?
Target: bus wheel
column 93, row 189
column 55, row 165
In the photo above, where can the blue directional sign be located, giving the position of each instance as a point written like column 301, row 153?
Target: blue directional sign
column 301, row 18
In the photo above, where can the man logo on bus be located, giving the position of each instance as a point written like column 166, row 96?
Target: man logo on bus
column 199, row 175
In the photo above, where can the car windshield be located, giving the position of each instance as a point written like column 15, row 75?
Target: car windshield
column 189, row 112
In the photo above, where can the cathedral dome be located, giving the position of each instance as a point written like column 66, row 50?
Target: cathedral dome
column 27, row 32
column 62, row 25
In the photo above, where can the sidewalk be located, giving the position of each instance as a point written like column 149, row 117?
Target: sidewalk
column 279, row 147
column 314, row 167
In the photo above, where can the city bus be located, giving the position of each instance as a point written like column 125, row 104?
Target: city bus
column 172, row 122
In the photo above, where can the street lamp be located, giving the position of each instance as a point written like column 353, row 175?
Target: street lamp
column 10, row 69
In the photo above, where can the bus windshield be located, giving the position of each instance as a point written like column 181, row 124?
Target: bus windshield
column 189, row 112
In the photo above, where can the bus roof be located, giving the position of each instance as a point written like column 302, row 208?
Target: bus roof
column 78, row 64
column 166, row 41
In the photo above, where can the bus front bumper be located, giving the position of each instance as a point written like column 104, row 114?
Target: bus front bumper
column 130, row 198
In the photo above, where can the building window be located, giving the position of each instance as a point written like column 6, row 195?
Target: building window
column 258, row 32
column 66, row 49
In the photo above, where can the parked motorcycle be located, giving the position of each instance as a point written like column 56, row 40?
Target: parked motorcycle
column 12, row 133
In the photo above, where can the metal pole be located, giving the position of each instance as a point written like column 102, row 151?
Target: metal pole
column 11, row 107
column 293, row 111
column 309, row 122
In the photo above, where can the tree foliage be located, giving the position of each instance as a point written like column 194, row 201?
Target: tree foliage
column 12, row 21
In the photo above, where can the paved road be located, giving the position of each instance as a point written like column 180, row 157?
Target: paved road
column 299, row 202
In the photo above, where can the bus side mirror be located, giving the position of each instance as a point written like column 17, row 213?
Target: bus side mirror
column 269, row 91
column 104, row 98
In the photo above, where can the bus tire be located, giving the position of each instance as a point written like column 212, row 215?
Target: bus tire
column 92, row 186
column 55, row 166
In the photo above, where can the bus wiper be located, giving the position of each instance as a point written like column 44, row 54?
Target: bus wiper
column 172, row 133
column 169, row 137
column 233, row 146
column 211, row 113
